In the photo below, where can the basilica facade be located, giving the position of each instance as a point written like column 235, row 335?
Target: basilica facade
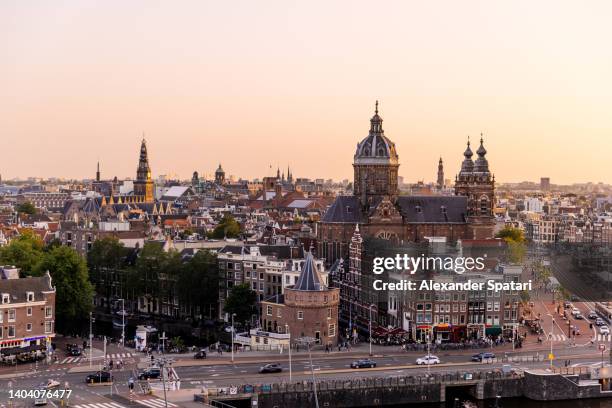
column 382, row 212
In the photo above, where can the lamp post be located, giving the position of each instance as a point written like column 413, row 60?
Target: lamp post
column 308, row 341
column 233, row 314
column 552, row 328
column 122, row 322
column 428, row 356
column 370, row 329
column 91, row 320
column 290, row 369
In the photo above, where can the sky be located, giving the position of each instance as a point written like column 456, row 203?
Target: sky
column 254, row 84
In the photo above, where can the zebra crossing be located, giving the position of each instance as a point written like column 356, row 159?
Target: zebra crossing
column 558, row 337
column 100, row 405
column 603, row 337
column 115, row 356
column 155, row 403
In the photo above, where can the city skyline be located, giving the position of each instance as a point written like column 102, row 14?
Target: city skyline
column 289, row 88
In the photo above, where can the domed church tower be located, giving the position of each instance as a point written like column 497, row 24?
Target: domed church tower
column 375, row 164
column 476, row 182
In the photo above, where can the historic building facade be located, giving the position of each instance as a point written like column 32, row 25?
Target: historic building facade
column 382, row 212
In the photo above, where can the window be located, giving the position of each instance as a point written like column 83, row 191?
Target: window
column 29, row 311
column 269, row 310
column 48, row 327
column 331, row 329
column 30, row 296
column 11, row 315
column 279, row 312
column 6, row 298
column 329, row 313
column 11, row 331
column 48, row 312
column 300, row 315
column 29, row 327
column 1, row 332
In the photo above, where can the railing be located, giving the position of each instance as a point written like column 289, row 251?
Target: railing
column 378, row 382
column 571, row 370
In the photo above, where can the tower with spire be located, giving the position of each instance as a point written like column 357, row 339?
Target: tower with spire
column 476, row 182
column 143, row 185
column 440, row 181
column 98, row 172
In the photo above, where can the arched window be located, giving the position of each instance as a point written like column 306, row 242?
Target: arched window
column 484, row 205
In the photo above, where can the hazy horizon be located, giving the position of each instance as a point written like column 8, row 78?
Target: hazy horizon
column 254, row 84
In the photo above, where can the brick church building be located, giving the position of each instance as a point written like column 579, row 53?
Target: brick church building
column 381, row 212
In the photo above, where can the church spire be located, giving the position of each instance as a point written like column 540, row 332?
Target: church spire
column 440, row 181
column 98, row 172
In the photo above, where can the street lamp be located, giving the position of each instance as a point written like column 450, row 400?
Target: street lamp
column 308, row 341
column 233, row 314
column 91, row 320
column 290, row 369
column 370, row 329
column 428, row 356
column 122, row 322
column 552, row 328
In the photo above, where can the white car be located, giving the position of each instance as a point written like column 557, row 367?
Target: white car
column 427, row 360
column 604, row 330
column 575, row 311
column 51, row 383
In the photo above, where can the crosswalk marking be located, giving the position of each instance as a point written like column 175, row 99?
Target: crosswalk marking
column 559, row 337
column 101, row 405
column 69, row 360
column 155, row 403
column 603, row 337
column 119, row 355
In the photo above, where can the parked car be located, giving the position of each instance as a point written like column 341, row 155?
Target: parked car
column 427, row 360
column 51, row 383
column 271, row 368
column 363, row 363
column 599, row 321
column 150, row 373
column 567, row 304
column 578, row 316
column 604, row 330
column 575, row 311
column 592, row 315
column 99, row 377
column 200, row 355
column 483, row 356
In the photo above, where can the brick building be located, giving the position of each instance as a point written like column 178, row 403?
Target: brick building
column 308, row 309
column 27, row 313
column 382, row 212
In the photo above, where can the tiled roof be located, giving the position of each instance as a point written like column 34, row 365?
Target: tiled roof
column 309, row 278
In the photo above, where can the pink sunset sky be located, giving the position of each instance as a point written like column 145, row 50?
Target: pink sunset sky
column 257, row 83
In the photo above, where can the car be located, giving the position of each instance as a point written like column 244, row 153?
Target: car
column 271, row 368
column 71, row 346
column 200, row 355
column 578, row 316
column 51, row 383
column 427, row 360
column 483, row 356
column 40, row 401
column 604, row 330
column 599, row 321
column 567, row 304
column 150, row 373
column 99, row 377
column 575, row 311
column 363, row 363
column 75, row 352
column 592, row 315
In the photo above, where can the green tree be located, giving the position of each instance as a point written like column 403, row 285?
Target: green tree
column 198, row 284
column 26, row 208
column 71, row 279
column 227, row 228
column 24, row 252
column 511, row 234
column 241, row 301
column 515, row 239
column 104, row 259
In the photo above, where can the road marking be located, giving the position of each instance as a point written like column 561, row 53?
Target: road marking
column 155, row 403
column 101, row 405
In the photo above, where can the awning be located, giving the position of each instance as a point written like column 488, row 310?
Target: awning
column 493, row 331
column 398, row 332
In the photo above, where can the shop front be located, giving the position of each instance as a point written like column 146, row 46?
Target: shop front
column 443, row 333
column 423, row 331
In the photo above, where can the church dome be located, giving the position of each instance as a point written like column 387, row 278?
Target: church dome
column 376, row 147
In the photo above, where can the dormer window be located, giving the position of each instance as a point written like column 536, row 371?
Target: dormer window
column 6, row 298
column 418, row 209
column 443, row 209
column 30, row 296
